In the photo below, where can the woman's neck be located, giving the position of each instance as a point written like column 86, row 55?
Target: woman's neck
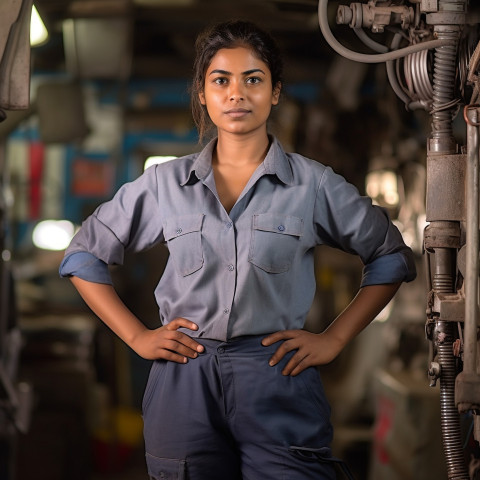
column 239, row 150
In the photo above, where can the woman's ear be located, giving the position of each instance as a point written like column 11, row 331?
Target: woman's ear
column 201, row 97
column 276, row 93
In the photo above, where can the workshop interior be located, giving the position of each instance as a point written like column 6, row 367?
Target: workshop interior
column 92, row 92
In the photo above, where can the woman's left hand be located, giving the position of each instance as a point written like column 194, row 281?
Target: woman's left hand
column 311, row 349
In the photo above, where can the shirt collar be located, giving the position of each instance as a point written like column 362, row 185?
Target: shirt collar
column 276, row 163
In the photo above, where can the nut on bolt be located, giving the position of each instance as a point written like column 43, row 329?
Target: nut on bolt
column 434, row 373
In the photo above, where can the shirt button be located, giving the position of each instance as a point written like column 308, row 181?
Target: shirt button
column 231, row 268
column 226, row 310
column 179, row 231
column 281, row 228
column 229, row 224
column 220, row 350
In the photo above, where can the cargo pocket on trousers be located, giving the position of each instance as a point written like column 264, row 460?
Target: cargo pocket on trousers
column 322, row 455
column 165, row 468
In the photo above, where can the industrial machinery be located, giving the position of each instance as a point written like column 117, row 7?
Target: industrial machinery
column 432, row 54
column 15, row 397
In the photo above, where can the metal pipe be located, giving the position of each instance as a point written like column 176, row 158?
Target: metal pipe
column 443, row 279
column 472, row 244
column 442, row 141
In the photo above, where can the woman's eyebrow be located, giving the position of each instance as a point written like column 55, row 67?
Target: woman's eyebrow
column 254, row 70
column 225, row 72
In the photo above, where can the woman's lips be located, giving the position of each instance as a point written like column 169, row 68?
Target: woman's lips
column 237, row 112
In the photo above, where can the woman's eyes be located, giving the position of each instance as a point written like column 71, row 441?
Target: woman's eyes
column 220, row 81
column 248, row 80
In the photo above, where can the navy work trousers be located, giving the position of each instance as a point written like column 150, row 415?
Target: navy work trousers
column 228, row 415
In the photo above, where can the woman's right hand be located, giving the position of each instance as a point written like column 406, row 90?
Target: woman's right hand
column 167, row 342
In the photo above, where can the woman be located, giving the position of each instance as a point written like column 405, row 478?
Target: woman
column 234, row 392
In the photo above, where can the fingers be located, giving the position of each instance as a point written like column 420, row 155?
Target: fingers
column 168, row 343
column 294, row 362
column 293, row 340
column 189, row 342
column 172, row 357
column 179, row 343
column 179, row 322
column 286, row 346
column 276, row 337
column 297, row 364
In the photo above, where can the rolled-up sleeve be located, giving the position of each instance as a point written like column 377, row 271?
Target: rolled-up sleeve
column 130, row 221
column 85, row 266
column 348, row 221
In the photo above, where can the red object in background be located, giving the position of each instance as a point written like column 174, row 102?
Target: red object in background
column 383, row 426
column 110, row 457
column 37, row 157
column 91, row 178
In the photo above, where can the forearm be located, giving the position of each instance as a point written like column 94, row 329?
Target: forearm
column 106, row 304
column 366, row 305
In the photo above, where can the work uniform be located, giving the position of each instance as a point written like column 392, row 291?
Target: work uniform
column 238, row 275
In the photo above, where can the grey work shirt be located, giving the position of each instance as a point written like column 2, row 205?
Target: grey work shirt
column 249, row 271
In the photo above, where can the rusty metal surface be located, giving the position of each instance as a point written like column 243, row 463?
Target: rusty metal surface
column 446, row 203
column 467, row 391
column 450, row 306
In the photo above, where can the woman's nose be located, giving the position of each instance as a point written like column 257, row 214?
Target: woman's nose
column 236, row 92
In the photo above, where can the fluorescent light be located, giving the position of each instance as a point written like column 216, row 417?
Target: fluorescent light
column 38, row 31
column 157, row 159
column 53, row 234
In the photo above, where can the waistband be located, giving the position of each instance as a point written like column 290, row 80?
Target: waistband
column 247, row 345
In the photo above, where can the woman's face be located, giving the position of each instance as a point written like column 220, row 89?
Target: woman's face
column 238, row 91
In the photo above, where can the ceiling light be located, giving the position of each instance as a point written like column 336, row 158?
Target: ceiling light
column 53, row 234
column 38, row 31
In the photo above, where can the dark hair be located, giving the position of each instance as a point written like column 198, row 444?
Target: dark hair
column 230, row 34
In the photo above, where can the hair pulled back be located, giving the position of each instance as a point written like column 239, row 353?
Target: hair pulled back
column 231, row 34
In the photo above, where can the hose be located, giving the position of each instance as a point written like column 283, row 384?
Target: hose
column 377, row 47
column 443, row 282
column 392, row 76
column 452, row 440
column 444, row 86
column 363, row 57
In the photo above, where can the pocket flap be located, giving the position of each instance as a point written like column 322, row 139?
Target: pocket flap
column 178, row 226
column 277, row 223
column 165, row 468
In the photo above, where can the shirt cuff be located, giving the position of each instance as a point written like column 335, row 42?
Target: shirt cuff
column 86, row 266
column 391, row 268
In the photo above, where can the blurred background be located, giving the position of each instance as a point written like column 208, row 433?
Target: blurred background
column 109, row 90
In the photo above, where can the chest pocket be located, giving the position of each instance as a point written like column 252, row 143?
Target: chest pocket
column 184, row 240
column 275, row 240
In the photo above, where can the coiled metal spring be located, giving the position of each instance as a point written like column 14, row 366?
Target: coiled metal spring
column 449, row 414
column 444, row 87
